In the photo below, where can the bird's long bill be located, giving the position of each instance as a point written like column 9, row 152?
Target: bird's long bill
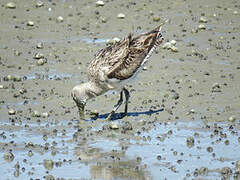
column 81, row 112
column 81, row 106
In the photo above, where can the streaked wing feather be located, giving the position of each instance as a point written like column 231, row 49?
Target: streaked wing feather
column 126, row 68
column 123, row 59
column 138, row 52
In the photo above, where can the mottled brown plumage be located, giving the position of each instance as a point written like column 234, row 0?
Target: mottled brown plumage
column 117, row 63
column 122, row 59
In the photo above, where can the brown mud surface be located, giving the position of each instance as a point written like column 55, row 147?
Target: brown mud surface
column 184, row 110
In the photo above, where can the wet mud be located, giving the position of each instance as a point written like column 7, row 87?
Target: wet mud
column 184, row 111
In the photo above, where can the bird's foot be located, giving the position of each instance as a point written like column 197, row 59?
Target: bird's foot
column 122, row 115
column 110, row 116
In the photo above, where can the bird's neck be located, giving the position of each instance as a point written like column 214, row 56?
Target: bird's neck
column 93, row 89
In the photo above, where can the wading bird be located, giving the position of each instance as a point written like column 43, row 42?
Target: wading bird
column 114, row 66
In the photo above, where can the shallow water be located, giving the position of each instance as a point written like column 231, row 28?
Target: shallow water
column 105, row 157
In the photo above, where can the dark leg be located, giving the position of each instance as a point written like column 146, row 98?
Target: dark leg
column 127, row 95
column 116, row 106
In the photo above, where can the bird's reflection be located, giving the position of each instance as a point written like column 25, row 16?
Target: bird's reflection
column 113, row 164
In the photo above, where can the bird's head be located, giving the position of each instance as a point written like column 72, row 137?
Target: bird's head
column 80, row 95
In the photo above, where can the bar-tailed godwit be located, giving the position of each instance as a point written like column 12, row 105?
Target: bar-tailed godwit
column 114, row 66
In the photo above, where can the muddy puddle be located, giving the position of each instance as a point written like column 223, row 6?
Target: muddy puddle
column 169, row 150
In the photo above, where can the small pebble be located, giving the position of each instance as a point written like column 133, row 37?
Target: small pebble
column 173, row 42
column 30, row 153
column 50, row 177
column 11, row 5
column 203, row 19
column 216, row 87
column 17, row 53
column 16, row 78
column 156, row 18
column 203, row 171
column 171, row 45
column 235, row 12
column 232, row 119
column 103, row 19
column 121, row 16
column 139, row 159
column 174, row 49
column 113, row 126
column 99, row 3
column 196, row 134
column 226, row 171
column 226, row 142
column 30, row 23
column 41, row 62
column 39, row 45
column 126, row 126
column 167, row 45
column 142, row 122
column 48, row 164
column 38, row 56
column 175, row 96
column 11, row 112
column 8, row 156
column 201, row 27
column 9, row 77
column 209, row 149
column 159, row 157
column 237, row 164
column 45, row 114
column 16, row 173
column 36, row 114
column 194, row 30
column 59, row 19
column 39, row 4
column 190, row 141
